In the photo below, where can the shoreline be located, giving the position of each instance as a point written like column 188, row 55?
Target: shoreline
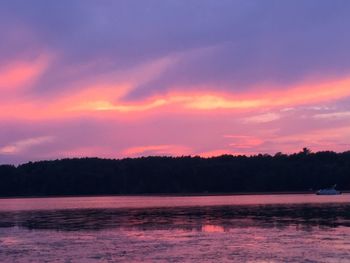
column 167, row 194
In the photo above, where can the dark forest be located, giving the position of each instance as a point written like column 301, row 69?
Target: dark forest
column 303, row 171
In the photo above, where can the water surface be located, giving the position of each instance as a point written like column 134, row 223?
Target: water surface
column 247, row 228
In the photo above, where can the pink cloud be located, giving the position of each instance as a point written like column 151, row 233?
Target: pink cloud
column 22, row 73
column 170, row 150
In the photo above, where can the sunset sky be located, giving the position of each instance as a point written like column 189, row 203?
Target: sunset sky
column 132, row 78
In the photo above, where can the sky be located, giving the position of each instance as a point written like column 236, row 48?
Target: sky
column 131, row 78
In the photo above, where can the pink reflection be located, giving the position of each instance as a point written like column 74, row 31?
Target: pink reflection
column 212, row 228
column 9, row 241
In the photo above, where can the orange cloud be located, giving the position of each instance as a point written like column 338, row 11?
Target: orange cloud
column 105, row 100
column 302, row 94
column 103, row 105
column 298, row 95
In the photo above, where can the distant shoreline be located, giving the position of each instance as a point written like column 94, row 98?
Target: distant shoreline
column 300, row 173
column 169, row 195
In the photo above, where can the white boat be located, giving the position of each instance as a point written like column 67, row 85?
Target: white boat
column 328, row 191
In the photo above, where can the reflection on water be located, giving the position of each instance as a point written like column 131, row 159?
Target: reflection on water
column 185, row 218
column 186, row 232
column 212, row 228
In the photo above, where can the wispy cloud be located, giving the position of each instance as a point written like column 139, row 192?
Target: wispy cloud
column 262, row 118
column 244, row 142
column 333, row 115
column 22, row 145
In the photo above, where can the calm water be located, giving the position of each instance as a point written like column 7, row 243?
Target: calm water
column 249, row 228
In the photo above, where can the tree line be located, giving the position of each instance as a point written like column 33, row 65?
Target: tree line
column 303, row 171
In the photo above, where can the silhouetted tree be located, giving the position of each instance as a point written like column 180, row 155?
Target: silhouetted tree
column 259, row 173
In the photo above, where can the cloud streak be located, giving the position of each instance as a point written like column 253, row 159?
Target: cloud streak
column 106, row 98
column 23, row 145
column 22, row 74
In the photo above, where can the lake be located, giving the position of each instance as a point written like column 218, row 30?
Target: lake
column 237, row 228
